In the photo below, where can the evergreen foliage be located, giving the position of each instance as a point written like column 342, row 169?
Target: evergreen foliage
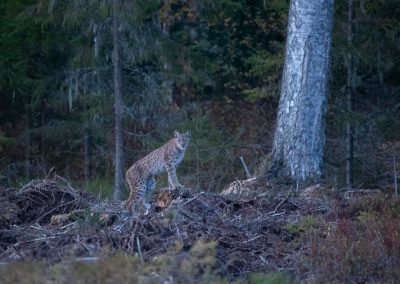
column 186, row 64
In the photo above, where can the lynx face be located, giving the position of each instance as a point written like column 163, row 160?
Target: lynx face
column 182, row 139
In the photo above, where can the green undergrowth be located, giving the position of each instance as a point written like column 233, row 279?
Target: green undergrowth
column 100, row 187
column 361, row 245
column 267, row 278
column 198, row 265
column 306, row 225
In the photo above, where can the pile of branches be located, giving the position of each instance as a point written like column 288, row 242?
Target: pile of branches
column 246, row 227
column 25, row 216
column 248, row 231
column 39, row 200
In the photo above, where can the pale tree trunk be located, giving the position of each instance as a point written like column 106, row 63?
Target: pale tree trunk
column 349, row 98
column 118, row 107
column 299, row 135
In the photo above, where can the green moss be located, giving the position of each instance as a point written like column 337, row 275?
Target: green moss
column 310, row 222
column 365, row 218
column 307, row 224
column 292, row 229
column 268, row 278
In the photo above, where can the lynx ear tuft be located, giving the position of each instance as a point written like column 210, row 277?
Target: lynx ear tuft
column 176, row 134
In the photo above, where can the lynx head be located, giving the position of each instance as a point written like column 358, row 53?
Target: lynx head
column 182, row 139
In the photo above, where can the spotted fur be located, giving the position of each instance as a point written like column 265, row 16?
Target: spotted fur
column 140, row 176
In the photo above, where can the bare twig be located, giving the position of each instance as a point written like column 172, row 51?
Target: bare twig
column 283, row 201
column 190, row 200
column 54, row 209
column 246, row 170
column 52, row 171
column 39, row 239
column 139, row 249
column 68, row 225
column 252, row 239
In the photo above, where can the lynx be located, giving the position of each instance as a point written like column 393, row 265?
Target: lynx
column 140, row 176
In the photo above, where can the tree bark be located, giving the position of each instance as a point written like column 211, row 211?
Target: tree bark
column 349, row 98
column 118, row 108
column 299, row 135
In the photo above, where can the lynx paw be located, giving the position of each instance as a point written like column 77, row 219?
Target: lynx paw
column 178, row 186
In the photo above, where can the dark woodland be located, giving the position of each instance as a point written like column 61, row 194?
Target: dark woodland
column 292, row 171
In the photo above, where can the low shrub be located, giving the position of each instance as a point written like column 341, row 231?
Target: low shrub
column 175, row 266
column 363, row 246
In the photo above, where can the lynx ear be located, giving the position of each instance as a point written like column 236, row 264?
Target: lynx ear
column 176, row 134
column 189, row 133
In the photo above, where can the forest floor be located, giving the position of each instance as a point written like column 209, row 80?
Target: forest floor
column 252, row 226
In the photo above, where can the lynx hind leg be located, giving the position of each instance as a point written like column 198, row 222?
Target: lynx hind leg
column 138, row 196
column 137, row 190
column 130, row 200
column 132, row 196
column 128, row 203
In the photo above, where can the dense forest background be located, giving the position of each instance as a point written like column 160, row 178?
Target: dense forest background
column 89, row 87
column 213, row 67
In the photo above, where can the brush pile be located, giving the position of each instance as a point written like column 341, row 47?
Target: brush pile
column 49, row 219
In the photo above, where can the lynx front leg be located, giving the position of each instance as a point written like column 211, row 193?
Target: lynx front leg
column 147, row 194
column 172, row 178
